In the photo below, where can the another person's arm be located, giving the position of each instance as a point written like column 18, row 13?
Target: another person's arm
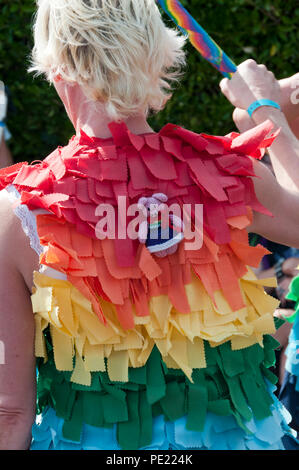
column 288, row 267
column 282, row 203
column 253, row 82
column 17, row 367
column 284, row 152
column 289, row 102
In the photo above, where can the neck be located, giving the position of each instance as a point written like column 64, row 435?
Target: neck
column 93, row 119
column 91, row 116
column 97, row 125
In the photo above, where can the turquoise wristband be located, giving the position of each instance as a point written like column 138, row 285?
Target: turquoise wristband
column 2, row 124
column 258, row 104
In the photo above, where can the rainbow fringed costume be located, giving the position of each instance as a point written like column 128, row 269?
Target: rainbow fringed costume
column 140, row 352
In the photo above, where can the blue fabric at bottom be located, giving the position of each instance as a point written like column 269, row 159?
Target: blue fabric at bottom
column 220, row 433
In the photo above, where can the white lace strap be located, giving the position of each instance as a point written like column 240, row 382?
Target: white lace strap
column 27, row 219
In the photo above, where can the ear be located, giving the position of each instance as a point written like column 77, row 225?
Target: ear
column 153, row 202
column 161, row 197
column 143, row 201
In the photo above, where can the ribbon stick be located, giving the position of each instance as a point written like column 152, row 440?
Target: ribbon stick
column 199, row 38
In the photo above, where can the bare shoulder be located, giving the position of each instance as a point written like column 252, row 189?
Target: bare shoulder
column 8, row 224
column 15, row 250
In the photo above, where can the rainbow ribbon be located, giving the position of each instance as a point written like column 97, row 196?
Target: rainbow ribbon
column 200, row 39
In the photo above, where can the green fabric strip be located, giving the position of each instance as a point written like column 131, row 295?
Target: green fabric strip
column 93, row 410
column 72, row 429
column 129, row 430
column 237, row 366
column 260, row 408
column 173, row 403
column 232, row 384
column 294, row 296
column 115, row 404
column 156, row 386
column 197, row 406
column 238, row 398
column 146, row 420
column 220, row 407
column 63, row 399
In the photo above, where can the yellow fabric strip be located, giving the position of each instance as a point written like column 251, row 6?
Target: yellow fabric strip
column 77, row 331
column 94, row 357
column 63, row 349
column 80, row 375
column 118, row 366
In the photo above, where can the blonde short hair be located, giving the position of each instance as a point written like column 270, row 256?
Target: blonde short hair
column 120, row 51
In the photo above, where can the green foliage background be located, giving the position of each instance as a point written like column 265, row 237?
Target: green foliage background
column 265, row 30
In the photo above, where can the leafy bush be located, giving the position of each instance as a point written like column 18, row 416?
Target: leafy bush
column 263, row 29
